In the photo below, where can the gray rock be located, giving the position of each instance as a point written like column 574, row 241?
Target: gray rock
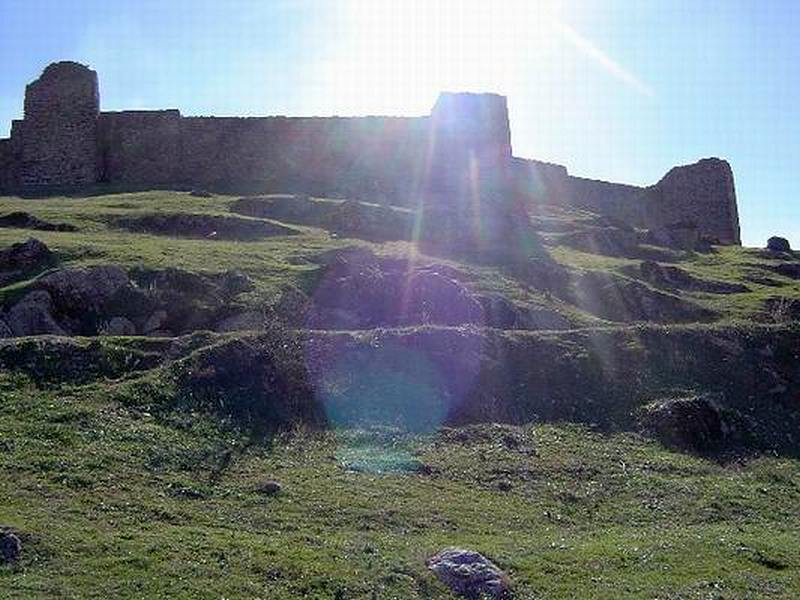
column 5, row 330
column 33, row 315
column 160, row 333
column 778, row 244
column 683, row 235
column 155, row 321
column 469, row 573
column 244, row 321
column 270, row 488
column 119, row 326
column 77, row 290
column 233, row 282
column 10, row 547
column 695, row 423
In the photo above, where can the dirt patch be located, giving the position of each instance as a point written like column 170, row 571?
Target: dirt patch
column 625, row 300
column 697, row 423
column 674, row 278
column 24, row 220
column 260, row 383
column 346, row 219
column 360, row 290
column 24, row 259
column 212, row 227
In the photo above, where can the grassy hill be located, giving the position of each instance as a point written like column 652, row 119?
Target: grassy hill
column 133, row 466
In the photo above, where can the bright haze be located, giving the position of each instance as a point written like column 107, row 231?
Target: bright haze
column 616, row 90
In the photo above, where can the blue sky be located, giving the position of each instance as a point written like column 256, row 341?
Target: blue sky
column 613, row 89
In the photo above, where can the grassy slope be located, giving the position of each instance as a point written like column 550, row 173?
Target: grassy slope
column 121, row 503
column 277, row 262
column 117, row 502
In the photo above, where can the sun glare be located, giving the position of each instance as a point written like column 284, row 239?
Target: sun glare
column 394, row 57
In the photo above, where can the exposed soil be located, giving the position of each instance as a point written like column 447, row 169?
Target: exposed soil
column 24, row 220
column 212, row 227
column 347, row 219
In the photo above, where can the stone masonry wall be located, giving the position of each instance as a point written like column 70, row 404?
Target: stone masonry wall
column 462, row 148
column 58, row 136
column 702, row 193
column 139, row 147
column 8, row 167
column 362, row 157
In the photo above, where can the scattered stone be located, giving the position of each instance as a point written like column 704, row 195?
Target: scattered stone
column 778, row 244
column 10, row 547
column 469, row 574
column 119, row 326
column 270, row 488
column 201, row 194
column 23, row 220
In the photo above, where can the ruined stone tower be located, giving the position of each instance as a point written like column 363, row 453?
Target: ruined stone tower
column 58, row 137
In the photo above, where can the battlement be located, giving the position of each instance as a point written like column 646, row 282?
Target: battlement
column 462, row 148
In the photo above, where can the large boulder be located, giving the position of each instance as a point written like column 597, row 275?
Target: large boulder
column 361, row 291
column 695, row 423
column 33, row 315
column 469, row 574
column 79, row 290
column 778, row 244
column 119, row 326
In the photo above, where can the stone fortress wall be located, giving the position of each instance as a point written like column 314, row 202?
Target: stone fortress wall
column 64, row 141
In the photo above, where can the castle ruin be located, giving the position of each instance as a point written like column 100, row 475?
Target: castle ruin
column 64, row 142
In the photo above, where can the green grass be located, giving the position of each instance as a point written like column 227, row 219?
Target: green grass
column 117, row 495
column 117, row 502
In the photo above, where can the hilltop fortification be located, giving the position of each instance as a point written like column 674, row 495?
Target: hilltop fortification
column 65, row 141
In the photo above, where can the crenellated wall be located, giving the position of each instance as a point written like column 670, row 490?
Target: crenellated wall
column 461, row 149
